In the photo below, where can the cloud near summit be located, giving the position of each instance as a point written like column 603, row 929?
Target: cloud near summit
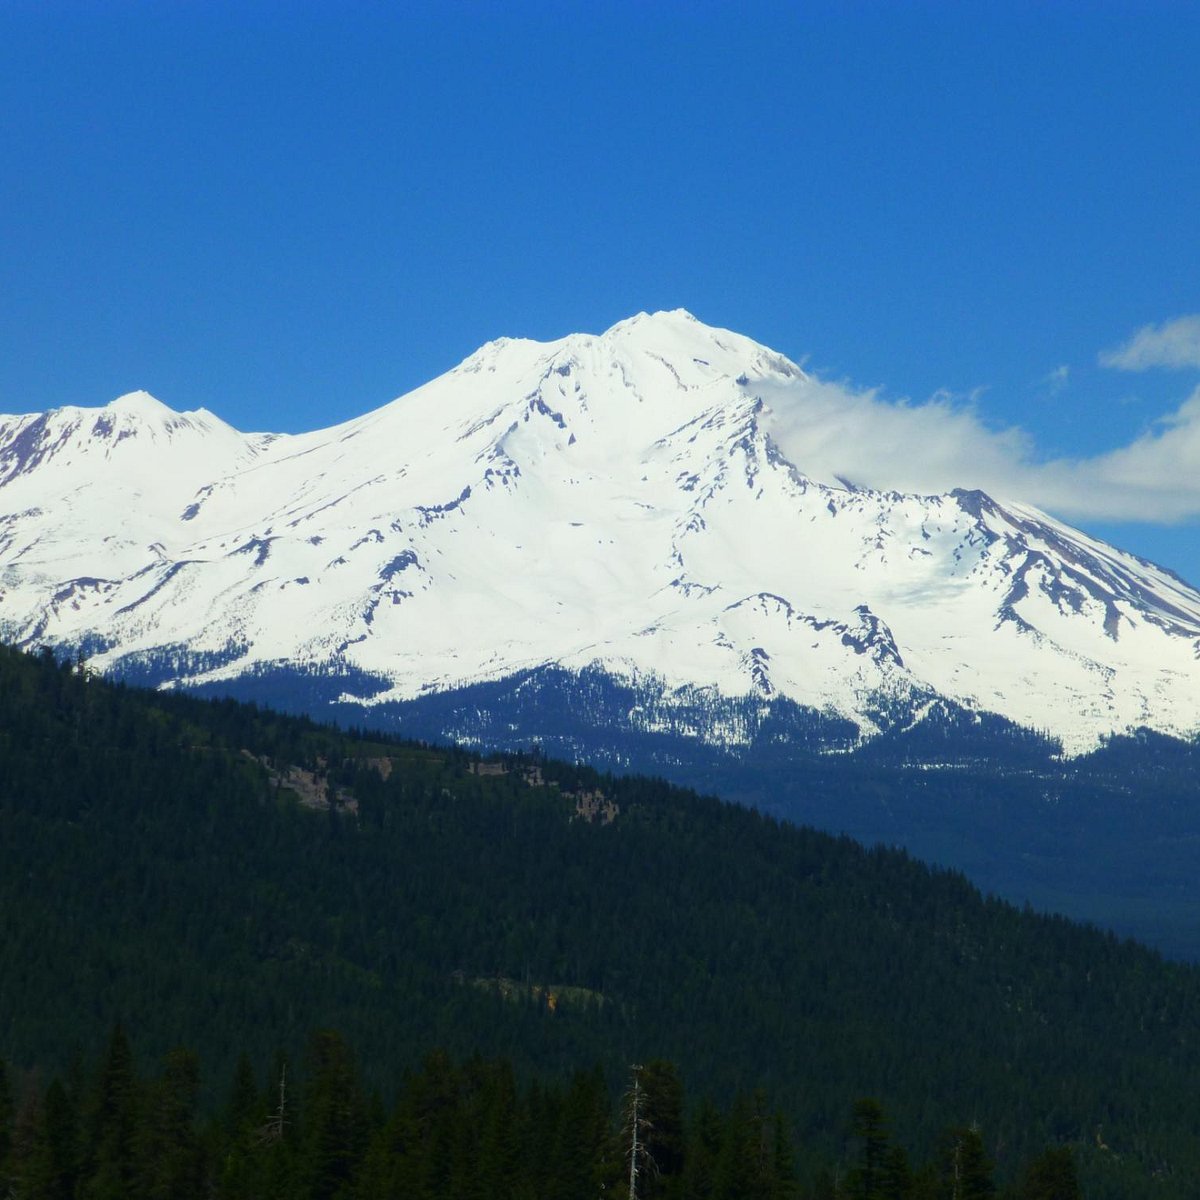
column 838, row 432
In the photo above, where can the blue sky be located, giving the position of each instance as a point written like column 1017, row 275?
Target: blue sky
column 291, row 213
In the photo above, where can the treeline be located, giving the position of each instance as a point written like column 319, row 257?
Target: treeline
column 453, row 1131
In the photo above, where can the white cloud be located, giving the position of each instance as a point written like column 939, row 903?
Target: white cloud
column 1172, row 344
column 1154, row 478
column 1057, row 379
column 832, row 431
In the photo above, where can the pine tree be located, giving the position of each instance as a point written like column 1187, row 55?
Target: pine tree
column 825, row 1186
column 429, row 1117
column 172, row 1165
column 110, row 1130
column 52, row 1168
column 500, row 1149
column 240, row 1134
column 6, row 1128
column 663, row 1134
column 703, row 1151
column 869, row 1129
column 1051, row 1176
column 741, row 1172
column 964, row 1171
column 243, row 1105
column 334, row 1130
column 783, row 1164
column 897, row 1181
column 26, row 1136
column 578, row 1156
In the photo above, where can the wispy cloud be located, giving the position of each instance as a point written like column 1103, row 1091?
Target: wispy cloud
column 1172, row 344
column 1155, row 478
column 1057, row 379
column 830, row 430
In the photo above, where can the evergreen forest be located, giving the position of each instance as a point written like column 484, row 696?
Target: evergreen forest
column 215, row 876
column 1111, row 837
column 452, row 1131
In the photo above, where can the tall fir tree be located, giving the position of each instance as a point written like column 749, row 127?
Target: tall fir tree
column 170, row 1154
column 1051, row 1176
column 663, row 1132
column 6, row 1127
column 868, row 1129
column 53, row 1166
column 334, row 1131
column 964, row 1170
column 110, row 1166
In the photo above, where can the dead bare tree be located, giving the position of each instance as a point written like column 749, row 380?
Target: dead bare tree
column 636, row 1126
column 277, row 1122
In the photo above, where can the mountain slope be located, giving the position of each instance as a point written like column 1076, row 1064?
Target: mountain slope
column 617, row 502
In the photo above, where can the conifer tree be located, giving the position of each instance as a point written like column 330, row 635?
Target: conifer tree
column 52, row 1170
column 169, row 1151
column 783, row 1174
column 241, row 1125
column 500, row 1156
column 740, row 1172
column 964, row 1171
column 897, row 1181
column 6, row 1127
column 705, row 1136
column 663, row 1133
column 1051, row 1176
column 243, row 1106
column 431, row 1104
column 869, row 1129
column 334, row 1130
column 582, row 1128
column 26, row 1134
column 110, row 1130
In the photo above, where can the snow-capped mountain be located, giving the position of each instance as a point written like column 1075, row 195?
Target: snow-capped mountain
column 615, row 502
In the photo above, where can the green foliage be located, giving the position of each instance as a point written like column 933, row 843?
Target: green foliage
column 6, row 1126
column 158, row 867
column 465, row 1131
column 867, row 1179
column 1051, row 1176
column 963, row 1169
column 335, row 1120
column 169, row 1152
column 662, row 1135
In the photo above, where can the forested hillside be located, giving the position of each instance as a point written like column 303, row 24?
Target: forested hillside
column 1111, row 837
column 219, row 877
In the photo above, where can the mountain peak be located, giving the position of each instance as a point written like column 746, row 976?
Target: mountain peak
column 664, row 318
column 671, row 340
column 141, row 403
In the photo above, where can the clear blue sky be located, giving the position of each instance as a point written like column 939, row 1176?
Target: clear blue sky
column 290, row 213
